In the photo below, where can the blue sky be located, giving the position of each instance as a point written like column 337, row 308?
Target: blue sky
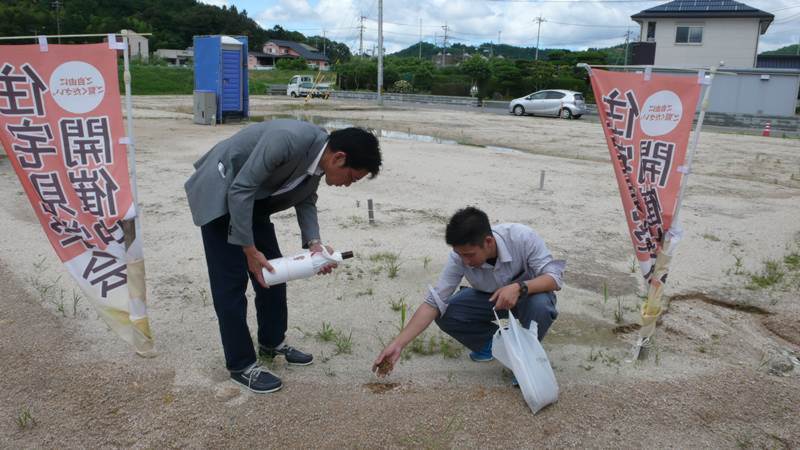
column 574, row 25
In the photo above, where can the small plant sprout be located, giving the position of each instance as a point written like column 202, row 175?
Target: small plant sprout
column 203, row 295
column 605, row 292
column 344, row 344
column 634, row 264
column 771, row 275
column 389, row 261
column 25, row 419
column 76, row 298
column 327, row 333
column 396, row 305
column 738, row 265
column 619, row 315
column 426, row 262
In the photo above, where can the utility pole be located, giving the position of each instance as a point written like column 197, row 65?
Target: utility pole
column 324, row 44
column 380, row 52
column 57, row 6
column 420, row 38
column 539, row 20
column 361, row 38
column 444, row 45
column 627, row 40
column 498, row 43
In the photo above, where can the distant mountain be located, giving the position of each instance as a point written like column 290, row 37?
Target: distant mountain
column 788, row 50
column 614, row 55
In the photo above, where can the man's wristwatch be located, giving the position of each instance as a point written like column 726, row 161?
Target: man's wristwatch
column 523, row 289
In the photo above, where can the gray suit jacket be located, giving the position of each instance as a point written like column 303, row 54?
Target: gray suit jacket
column 250, row 166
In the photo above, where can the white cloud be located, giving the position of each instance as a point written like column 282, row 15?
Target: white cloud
column 576, row 26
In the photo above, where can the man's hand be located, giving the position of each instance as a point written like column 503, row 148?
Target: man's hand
column 255, row 262
column 384, row 363
column 506, row 297
column 317, row 248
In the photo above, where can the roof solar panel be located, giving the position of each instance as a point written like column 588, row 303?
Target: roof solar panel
column 728, row 6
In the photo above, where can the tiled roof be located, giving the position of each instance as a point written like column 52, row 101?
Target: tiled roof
column 305, row 51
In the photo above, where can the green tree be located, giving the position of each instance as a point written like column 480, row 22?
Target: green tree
column 477, row 68
column 291, row 64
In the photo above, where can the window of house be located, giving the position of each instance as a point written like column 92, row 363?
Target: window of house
column 689, row 35
column 651, row 30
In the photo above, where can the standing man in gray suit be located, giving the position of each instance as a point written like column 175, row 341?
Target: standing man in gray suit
column 262, row 169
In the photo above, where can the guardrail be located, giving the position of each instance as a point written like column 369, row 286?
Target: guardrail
column 276, row 89
column 407, row 98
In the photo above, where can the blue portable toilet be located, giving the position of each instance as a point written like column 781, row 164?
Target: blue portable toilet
column 220, row 66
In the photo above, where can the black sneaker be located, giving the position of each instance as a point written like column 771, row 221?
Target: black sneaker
column 293, row 355
column 257, row 379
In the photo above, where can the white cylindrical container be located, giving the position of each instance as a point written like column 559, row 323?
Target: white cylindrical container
column 301, row 265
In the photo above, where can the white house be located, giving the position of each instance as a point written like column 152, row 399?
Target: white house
column 700, row 33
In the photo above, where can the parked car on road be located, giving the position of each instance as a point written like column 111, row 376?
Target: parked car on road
column 551, row 102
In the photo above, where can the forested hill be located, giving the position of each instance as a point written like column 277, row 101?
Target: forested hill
column 172, row 22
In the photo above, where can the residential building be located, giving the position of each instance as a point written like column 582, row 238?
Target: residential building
column 175, row 57
column 138, row 48
column 278, row 49
column 699, row 33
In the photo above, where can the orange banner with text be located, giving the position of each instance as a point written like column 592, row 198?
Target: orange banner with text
column 647, row 119
column 62, row 129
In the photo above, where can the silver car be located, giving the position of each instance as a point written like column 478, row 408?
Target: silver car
column 552, row 102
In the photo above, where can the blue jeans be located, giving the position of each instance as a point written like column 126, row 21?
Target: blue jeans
column 468, row 318
column 228, row 274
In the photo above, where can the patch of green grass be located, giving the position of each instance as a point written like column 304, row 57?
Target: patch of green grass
column 327, row 333
column 344, row 344
column 771, row 275
column 792, row 261
column 159, row 80
column 710, row 237
column 432, row 345
column 634, row 264
column 388, row 260
column 25, row 419
column 367, row 291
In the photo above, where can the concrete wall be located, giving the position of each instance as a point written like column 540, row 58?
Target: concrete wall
column 748, row 94
column 734, row 41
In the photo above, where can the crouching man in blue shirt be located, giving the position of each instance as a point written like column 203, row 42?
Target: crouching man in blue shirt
column 509, row 268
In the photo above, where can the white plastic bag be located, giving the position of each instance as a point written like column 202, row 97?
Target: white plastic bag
column 518, row 349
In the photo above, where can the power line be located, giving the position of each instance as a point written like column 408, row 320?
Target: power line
column 588, row 25
column 786, row 19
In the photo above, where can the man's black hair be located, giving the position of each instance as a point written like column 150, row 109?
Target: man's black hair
column 468, row 226
column 362, row 149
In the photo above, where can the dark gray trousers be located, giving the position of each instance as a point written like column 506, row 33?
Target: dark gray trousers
column 468, row 318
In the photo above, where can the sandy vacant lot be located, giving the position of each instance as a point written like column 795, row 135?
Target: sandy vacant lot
column 724, row 373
